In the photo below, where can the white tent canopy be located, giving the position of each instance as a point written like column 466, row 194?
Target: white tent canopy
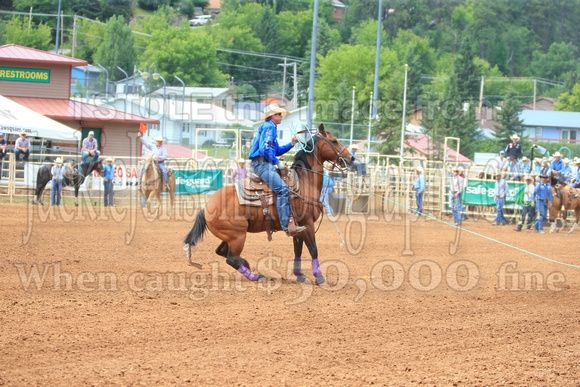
column 15, row 118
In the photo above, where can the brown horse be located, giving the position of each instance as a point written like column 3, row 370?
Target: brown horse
column 571, row 201
column 152, row 184
column 556, row 210
column 229, row 221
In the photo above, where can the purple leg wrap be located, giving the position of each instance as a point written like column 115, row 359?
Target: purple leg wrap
column 316, row 268
column 248, row 274
column 297, row 266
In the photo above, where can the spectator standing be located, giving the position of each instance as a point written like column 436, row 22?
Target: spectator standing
column 542, row 196
column 109, row 177
column 240, row 172
column 527, row 205
column 546, row 168
column 90, row 148
column 576, row 179
column 514, row 149
column 419, row 189
column 3, row 146
column 455, row 192
column 22, row 147
column 501, row 191
column 57, row 172
column 537, row 166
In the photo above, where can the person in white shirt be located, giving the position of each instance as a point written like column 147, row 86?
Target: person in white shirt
column 527, row 205
column 22, row 147
column 501, row 163
column 57, row 172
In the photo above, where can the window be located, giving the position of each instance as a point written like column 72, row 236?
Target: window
column 569, row 134
column 187, row 127
column 538, row 132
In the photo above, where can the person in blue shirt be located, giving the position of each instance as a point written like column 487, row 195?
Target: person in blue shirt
column 159, row 155
column 419, row 189
column 542, row 196
column 557, row 165
column 576, row 179
column 3, row 146
column 109, row 177
column 566, row 174
column 327, row 185
column 57, row 172
column 526, row 166
column 501, row 191
column 264, row 152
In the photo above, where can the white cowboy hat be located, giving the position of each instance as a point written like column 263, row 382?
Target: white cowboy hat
column 272, row 109
column 58, row 160
column 354, row 146
column 528, row 177
column 576, row 160
column 159, row 138
column 537, row 160
column 557, row 154
column 419, row 169
column 566, row 160
column 23, row 134
column 241, row 161
column 524, row 158
column 515, row 137
column 109, row 159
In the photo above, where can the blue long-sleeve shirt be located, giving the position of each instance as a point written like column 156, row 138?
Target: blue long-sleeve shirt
column 327, row 184
column 160, row 151
column 543, row 191
column 109, row 171
column 557, row 165
column 420, row 183
column 266, row 143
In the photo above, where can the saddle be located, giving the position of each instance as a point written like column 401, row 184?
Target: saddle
column 254, row 192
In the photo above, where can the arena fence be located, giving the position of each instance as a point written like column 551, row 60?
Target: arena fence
column 384, row 186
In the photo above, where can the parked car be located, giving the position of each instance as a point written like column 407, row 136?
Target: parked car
column 200, row 20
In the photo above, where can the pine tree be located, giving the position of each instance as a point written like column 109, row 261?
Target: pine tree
column 509, row 120
column 118, row 48
column 468, row 74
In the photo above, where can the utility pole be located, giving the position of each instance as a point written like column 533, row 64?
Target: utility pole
column 377, row 62
column 74, row 41
column 295, row 87
column 29, row 19
column 284, row 77
column 481, row 97
column 312, row 66
column 57, row 27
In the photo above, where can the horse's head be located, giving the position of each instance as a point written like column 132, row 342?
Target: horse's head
column 96, row 166
column 330, row 149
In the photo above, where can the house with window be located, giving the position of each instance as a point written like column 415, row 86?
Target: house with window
column 223, row 97
column 551, row 126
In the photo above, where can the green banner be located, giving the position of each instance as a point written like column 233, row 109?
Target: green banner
column 24, row 75
column 482, row 193
column 195, row 182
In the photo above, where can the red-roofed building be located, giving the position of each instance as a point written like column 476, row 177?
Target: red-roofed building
column 181, row 151
column 41, row 81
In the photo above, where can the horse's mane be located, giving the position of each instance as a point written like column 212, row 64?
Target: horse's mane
column 301, row 158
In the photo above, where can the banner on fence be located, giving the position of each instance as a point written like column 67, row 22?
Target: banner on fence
column 195, row 182
column 482, row 193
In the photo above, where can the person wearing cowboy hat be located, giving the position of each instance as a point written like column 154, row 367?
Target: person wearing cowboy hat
column 3, row 146
column 419, row 189
column 557, row 166
column 537, row 166
column 576, row 178
column 327, row 184
column 57, row 173
column 527, row 204
column 543, row 198
column 455, row 190
column 90, row 148
column 22, row 147
column 159, row 155
column 526, row 166
column 501, row 191
column 109, row 177
column 514, row 149
column 264, row 155
column 240, row 172
column 515, row 169
column 566, row 173
column 501, row 163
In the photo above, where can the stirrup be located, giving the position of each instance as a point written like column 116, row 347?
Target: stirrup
column 166, row 188
column 299, row 229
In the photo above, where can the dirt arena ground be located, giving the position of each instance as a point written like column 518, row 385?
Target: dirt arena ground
column 108, row 298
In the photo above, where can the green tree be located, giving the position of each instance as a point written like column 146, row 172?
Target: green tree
column 118, row 48
column 387, row 125
column 17, row 32
column 560, row 59
column 509, row 120
column 191, row 55
column 294, row 26
column 89, row 38
column 467, row 72
column 569, row 102
column 366, row 34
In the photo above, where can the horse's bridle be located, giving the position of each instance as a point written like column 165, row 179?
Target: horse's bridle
column 337, row 152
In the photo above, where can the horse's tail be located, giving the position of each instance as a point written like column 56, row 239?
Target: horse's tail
column 199, row 228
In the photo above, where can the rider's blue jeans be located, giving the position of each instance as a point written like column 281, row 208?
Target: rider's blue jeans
column 267, row 172
column 163, row 171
